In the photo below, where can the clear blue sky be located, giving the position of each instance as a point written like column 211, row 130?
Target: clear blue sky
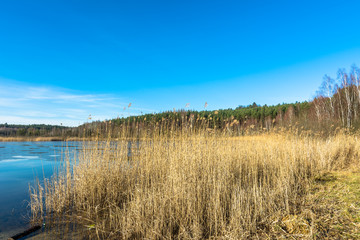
column 63, row 60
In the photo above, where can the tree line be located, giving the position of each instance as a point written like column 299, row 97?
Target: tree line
column 336, row 105
column 338, row 99
column 33, row 130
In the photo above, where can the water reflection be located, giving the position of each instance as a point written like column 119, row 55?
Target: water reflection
column 20, row 164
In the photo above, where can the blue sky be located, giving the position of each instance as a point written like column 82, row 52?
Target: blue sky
column 63, row 60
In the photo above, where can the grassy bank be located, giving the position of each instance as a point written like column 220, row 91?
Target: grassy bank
column 201, row 185
column 335, row 205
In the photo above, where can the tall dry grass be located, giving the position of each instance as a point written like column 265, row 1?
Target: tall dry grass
column 188, row 185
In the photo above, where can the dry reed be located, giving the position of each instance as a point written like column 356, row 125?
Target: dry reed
column 188, row 185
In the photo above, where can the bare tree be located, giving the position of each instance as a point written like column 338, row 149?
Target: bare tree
column 327, row 90
column 344, row 78
column 355, row 79
column 341, row 109
column 320, row 108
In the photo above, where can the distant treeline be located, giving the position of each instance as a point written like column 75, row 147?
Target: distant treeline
column 34, row 130
column 238, row 121
column 336, row 105
column 245, row 116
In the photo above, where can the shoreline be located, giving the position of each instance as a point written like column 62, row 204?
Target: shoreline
column 39, row 139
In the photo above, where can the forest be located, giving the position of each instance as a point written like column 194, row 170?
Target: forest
column 336, row 105
column 33, row 130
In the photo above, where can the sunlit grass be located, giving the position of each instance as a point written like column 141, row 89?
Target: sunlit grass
column 192, row 185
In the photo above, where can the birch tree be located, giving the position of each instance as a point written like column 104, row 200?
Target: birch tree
column 344, row 78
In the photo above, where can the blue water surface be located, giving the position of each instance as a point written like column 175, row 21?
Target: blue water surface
column 20, row 164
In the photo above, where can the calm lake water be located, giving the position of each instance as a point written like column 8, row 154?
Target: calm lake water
column 20, row 164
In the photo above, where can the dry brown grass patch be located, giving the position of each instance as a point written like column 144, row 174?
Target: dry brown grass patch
column 193, row 186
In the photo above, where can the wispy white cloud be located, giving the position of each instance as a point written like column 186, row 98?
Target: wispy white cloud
column 21, row 103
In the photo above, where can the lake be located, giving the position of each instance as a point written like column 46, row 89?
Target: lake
column 20, row 164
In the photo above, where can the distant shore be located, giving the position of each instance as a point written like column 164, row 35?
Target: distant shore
column 38, row 139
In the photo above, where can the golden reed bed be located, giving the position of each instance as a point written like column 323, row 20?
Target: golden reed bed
column 193, row 186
